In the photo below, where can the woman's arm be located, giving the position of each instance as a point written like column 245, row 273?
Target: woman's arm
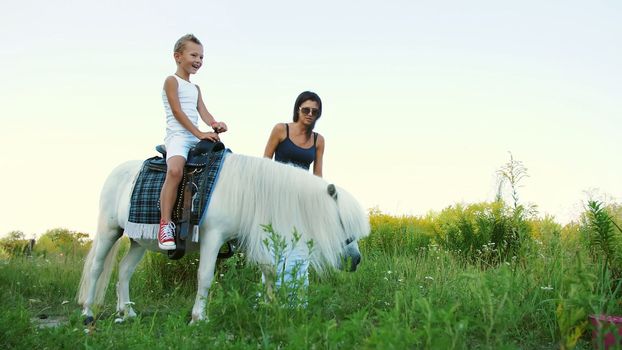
column 276, row 136
column 319, row 156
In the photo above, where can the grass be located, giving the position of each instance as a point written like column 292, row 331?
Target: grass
column 409, row 294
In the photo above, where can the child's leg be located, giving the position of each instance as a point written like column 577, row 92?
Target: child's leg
column 177, row 147
column 174, row 174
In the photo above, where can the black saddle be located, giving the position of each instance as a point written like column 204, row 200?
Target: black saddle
column 197, row 156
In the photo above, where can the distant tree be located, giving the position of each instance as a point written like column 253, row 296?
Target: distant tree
column 14, row 243
column 16, row 235
column 62, row 241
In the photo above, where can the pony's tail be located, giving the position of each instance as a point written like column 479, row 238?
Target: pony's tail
column 104, row 277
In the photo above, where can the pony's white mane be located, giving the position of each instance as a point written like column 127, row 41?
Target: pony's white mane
column 258, row 191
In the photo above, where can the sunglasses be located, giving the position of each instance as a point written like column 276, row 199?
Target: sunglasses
column 308, row 110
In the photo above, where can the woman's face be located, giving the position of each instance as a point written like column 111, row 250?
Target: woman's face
column 308, row 112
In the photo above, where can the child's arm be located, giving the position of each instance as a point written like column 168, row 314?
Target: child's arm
column 207, row 116
column 172, row 95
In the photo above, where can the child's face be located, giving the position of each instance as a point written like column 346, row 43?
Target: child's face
column 191, row 58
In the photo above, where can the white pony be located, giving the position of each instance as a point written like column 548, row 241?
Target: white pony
column 250, row 192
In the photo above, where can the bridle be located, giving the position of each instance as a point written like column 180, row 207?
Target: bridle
column 332, row 191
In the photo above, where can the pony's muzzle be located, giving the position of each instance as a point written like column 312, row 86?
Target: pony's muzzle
column 354, row 262
column 351, row 257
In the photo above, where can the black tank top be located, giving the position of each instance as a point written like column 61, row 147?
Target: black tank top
column 289, row 152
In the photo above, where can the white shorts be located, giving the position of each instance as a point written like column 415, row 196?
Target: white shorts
column 179, row 145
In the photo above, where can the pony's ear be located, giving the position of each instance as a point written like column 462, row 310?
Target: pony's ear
column 332, row 191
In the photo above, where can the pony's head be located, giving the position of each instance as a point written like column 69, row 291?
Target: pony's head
column 353, row 226
column 253, row 192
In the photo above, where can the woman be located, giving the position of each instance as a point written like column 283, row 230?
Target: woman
column 296, row 143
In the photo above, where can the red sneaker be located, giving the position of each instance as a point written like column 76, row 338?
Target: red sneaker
column 166, row 236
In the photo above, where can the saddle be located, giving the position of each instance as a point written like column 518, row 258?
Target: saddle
column 198, row 159
column 198, row 156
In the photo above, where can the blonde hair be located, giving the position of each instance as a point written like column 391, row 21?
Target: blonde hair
column 181, row 42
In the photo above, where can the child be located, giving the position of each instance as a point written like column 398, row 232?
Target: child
column 183, row 105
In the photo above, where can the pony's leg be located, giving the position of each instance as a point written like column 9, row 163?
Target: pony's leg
column 105, row 240
column 126, row 270
column 209, row 246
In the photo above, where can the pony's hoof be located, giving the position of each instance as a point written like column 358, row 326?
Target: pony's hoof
column 194, row 321
column 89, row 320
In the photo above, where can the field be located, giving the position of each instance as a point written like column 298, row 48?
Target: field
column 485, row 276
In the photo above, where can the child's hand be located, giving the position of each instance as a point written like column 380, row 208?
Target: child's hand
column 219, row 127
column 212, row 136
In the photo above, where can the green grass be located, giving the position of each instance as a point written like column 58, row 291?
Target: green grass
column 423, row 300
column 413, row 294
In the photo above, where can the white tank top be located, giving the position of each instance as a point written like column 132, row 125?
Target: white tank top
column 188, row 98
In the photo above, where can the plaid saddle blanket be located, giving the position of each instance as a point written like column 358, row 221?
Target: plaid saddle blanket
column 144, row 218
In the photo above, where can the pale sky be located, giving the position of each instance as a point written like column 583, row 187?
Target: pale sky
column 422, row 100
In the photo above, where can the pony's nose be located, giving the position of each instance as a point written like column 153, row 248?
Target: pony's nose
column 354, row 262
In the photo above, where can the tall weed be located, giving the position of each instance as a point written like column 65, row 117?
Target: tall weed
column 604, row 242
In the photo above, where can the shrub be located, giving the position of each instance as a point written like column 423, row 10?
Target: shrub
column 484, row 232
column 397, row 235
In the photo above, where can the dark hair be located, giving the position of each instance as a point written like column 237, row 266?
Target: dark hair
column 180, row 45
column 307, row 96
